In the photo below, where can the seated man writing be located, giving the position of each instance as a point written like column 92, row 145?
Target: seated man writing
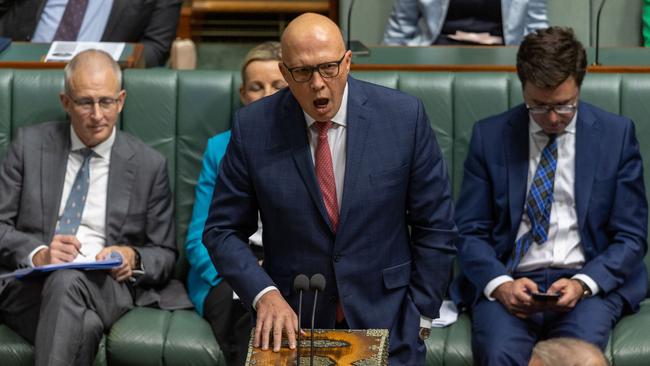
column 82, row 189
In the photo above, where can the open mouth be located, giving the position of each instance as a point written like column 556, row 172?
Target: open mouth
column 321, row 103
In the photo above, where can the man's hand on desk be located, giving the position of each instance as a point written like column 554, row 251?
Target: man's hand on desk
column 62, row 249
column 515, row 296
column 274, row 316
column 125, row 270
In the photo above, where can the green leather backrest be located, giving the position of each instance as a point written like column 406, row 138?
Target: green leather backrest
column 177, row 111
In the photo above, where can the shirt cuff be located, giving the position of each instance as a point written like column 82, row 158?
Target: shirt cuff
column 29, row 262
column 589, row 282
column 425, row 322
column 259, row 296
column 493, row 284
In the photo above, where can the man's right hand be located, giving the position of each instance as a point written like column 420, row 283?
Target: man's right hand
column 62, row 249
column 515, row 296
column 274, row 315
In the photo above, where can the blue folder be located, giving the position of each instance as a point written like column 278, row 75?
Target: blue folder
column 114, row 260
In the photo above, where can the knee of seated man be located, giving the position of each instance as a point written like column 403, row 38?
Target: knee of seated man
column 64, row 282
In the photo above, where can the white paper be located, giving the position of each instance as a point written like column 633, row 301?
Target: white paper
column 448, row 315
column 65, row 51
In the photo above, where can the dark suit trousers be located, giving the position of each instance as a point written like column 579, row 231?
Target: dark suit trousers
column 230, row 321
column 64, row 314
column 500, row 338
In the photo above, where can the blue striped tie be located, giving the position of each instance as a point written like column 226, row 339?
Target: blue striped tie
column 538, row 204
column 74, row 206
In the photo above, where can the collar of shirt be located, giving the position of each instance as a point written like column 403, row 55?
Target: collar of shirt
column 103, row 149
column 341, row 116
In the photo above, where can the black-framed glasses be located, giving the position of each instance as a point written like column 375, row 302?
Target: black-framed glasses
column 302, row 74
column 86, row 105
column 558, row 108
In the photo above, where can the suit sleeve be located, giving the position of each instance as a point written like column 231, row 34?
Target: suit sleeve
column 430, row 216
column 158, row 252
column 15, row 245
column 160, row 32
column 475, row 218
column 628, row 221
column 231, row 220
column 196, row 252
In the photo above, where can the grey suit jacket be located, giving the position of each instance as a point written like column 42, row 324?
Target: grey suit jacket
column 150, row 22
column 418, row 22
column 139, row 208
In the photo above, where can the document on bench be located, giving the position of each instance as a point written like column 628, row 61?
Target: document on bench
column 114, row 260
column 64, row 51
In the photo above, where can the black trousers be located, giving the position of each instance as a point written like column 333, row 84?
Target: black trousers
column 231, row 323
column 65, row 313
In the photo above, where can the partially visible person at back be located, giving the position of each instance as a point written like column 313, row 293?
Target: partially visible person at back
column 463, row 22
column 212, row 296
column 150, row 22
column 78, row 191
column 567, row 352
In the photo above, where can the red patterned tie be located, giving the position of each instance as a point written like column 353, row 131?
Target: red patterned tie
column 325, row 173
column 70, row 24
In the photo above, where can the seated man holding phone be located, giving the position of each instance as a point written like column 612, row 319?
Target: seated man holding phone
column 552, row 213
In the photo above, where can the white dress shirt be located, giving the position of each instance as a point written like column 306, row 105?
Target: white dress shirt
column 92, row 229
column 562, row 249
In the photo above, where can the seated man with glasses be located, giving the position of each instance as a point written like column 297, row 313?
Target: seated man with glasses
column 552, row 213
column 80, row 191
column 339, row 170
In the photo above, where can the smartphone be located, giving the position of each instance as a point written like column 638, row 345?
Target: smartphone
column 545, row 297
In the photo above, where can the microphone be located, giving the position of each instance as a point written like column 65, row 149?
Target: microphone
column 300, row 284
column 316, row 283
column 356, row 47
column 600, row 9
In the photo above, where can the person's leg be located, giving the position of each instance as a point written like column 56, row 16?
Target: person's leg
column 241, row 333
column 218, row 310
column 500, row 338
column 76, row 308
column 591, row 320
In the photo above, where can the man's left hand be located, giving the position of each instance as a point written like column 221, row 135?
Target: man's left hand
column 125, row 270
column 570, row 293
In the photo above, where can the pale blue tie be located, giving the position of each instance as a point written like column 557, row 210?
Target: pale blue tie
column 74, row 206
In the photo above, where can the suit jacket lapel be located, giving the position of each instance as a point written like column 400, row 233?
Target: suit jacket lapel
column 516, row 147
column 357, row 132
column 114, row 18
column 54, row 160
column 121, row 178
column 296, row 135
column 586, row 160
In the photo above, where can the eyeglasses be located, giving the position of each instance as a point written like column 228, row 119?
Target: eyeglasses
column 558, row 108
column 303, row 74
column 86, row 105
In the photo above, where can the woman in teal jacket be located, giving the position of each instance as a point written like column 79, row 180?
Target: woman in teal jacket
column 212, row 297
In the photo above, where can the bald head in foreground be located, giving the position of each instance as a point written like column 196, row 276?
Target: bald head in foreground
column 567, row 352
column 339, row 170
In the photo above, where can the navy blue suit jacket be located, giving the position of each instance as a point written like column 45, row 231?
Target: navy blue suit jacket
column 609, row 194
column 395, row 178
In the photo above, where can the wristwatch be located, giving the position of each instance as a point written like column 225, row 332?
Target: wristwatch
column 424, row 333
column 586, row 291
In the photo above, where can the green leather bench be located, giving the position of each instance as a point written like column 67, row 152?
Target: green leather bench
column 176, row 112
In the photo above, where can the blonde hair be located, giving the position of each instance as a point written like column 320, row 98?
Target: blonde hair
column 267, row 51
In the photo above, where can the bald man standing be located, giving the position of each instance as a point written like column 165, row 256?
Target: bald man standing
column 350, row 183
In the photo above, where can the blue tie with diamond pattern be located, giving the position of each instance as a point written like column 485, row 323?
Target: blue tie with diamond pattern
column 74, row 206
column 538, row 204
